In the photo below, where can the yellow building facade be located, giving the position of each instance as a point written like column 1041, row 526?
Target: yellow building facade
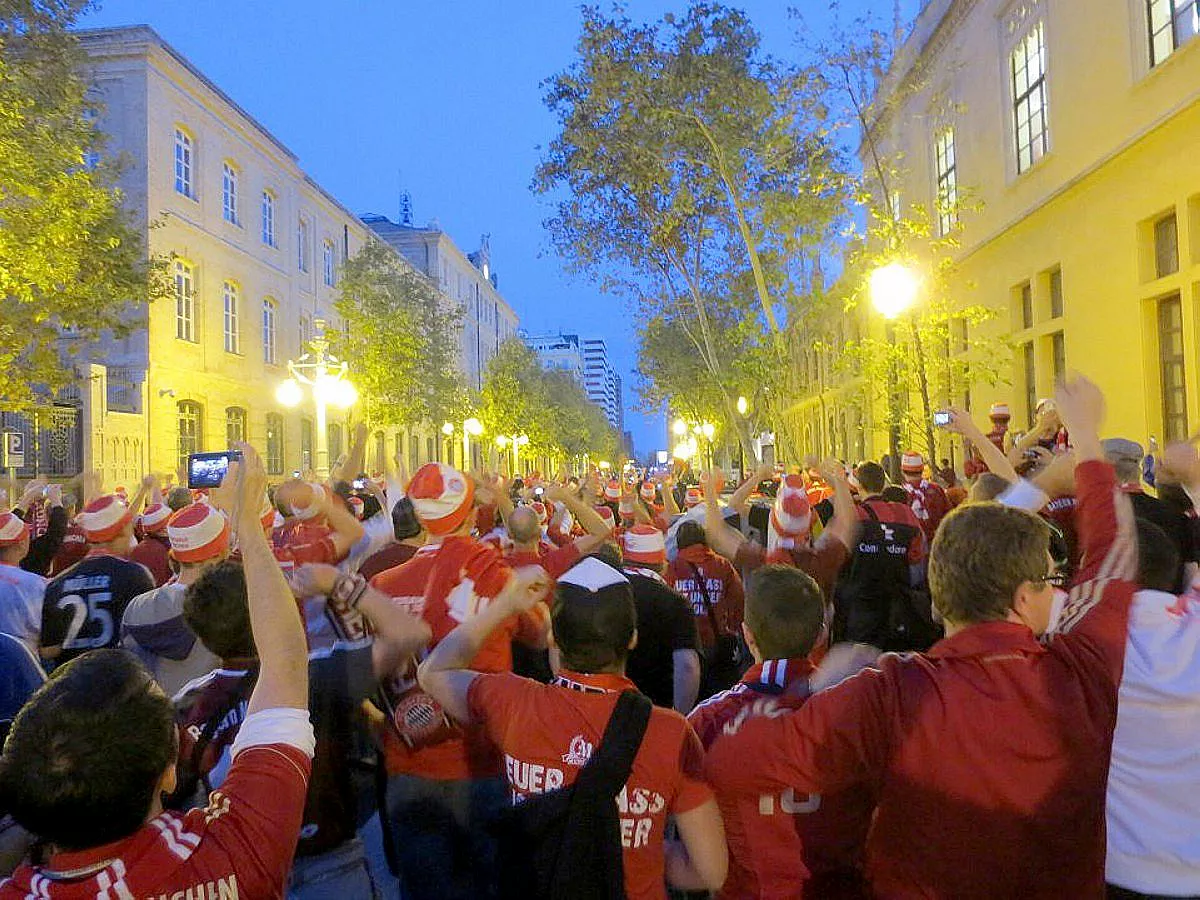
column 1072, row 127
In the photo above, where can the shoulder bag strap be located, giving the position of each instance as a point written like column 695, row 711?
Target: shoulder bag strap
column 612, row 760
column 708, row 605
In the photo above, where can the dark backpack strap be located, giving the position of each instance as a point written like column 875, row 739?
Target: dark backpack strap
column 608, row 769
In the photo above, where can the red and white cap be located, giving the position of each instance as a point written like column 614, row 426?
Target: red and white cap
column 626, row 507
column 692, row 497
column 542, row 512
column 1000, row 411
column 154, row 519
column 198, row 532
column 606, row 513
column 12, row 529
column 646, row 545
column 648, row 491
column 315, row 503
column 356, row 506
column 442, row 497
column 612, row 490
column 792, row 514
column 103, row 519
column 912, row 463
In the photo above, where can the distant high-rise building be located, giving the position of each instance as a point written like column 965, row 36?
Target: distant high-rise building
column 586, row 359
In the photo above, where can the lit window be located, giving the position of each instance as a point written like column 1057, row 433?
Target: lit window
column 229, row 194
column 268, row 330
column 1172, row 24
column 303, row 250
column 947, row 181
column 268, row 218
column 184, row 164
column 327, row 263
column 306, row 333
column 229, row 293
column 274, row 444
column 1029, row 97
column 1171, row 369
column 190, row 418
column 235, row 426
column 185, row 301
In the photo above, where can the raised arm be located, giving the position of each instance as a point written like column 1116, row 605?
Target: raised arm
column 845, row 524
column 668, row 492
column 993, row 457
column 742, row 495
column 278, row 631
column 445, row 673
column 721, row 538
column 587, row 517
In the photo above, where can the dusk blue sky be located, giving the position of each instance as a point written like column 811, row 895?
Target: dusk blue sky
column 441, row 98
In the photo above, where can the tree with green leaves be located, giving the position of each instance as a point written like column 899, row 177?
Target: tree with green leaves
column 71, row 257
column 693, row 173
column 402, row 336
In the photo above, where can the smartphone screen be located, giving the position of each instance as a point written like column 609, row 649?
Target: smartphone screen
column 941, row 419
column 207, row 470
column 359, row 484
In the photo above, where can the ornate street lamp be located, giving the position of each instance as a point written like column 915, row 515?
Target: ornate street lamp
column 893, row 290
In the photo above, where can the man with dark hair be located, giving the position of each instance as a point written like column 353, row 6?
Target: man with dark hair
column 990, row 753
column 210, row 709
column 409, row 538
column 548, row 732
column 713, row 587
column 665, row 664
column 791, row 844
column 90, row 755
column 1154, row 779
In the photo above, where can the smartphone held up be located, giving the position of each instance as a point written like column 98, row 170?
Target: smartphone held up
column 207, row 470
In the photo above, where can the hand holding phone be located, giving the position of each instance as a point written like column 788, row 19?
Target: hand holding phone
column 207, row 470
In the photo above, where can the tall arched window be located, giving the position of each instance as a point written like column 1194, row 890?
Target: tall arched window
column 269, row 310
column 232, row 297
column 191, row 432
column 235, row 425
column 274, row 444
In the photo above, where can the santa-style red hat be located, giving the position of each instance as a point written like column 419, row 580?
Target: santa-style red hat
column 103, row 519
column 692, row 497
column 648, row 491
column 13, row 529
column 645, row 544
column 612, row 490
column 792, row 515
column 1000, row 411
column 357, row 507
column 606, row 513
column 626, row 507
column 912, row 463
column 442, row 497
column 154, row 519
column 198, row 532
column 541, row 511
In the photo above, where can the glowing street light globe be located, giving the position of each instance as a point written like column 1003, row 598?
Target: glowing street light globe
column 473, row 427
column 289, row 393
column 501, row 441
column 342, row 393
column 523, row 440
column 708, row 430
column 893, row 289
column 743, row 406
column 680, row 428
column 447, row 429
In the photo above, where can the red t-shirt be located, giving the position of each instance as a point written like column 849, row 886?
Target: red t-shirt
column 821, row 560
column 74, row 548
column 790, row 844
column 240, row 845
column 929, row 504
column 555, row 560
column 434, row 589
column 722, row 582
column 547, row 733
column 152, row 552
column 297, row 543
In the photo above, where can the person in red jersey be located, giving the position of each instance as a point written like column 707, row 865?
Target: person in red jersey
column 320, row 530
column 976, row 462
column 154, row 549
column 90, row 755
column 789, row 844
column 789, row 539
column 991, row 752
column 928, row 500
column 548, row 731
column 442, row 779
column 713, row 588
column 530, row 549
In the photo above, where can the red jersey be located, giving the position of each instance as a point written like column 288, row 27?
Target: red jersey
column 547, row 732
column 444, row 584
column 821, row 560
column 297, row 543
column 721, row 581
column 991, row 752
column 555, row 560
column 241, row 845
column 790, row 844
column 152, row 552
column 929, row 505
column 74, row 548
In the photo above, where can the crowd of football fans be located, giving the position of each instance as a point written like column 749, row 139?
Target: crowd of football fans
column 892, row 679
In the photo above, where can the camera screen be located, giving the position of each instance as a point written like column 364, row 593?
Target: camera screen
column 207, row 470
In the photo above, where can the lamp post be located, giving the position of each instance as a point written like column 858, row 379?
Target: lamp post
column 325, row 374
column 515, row 441
column 448, row 431
column 472, row 427
column 893, row 291
column 743, row 407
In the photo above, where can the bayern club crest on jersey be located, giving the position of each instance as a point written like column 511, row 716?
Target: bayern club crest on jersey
column 418, row 718
column 579, row 753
